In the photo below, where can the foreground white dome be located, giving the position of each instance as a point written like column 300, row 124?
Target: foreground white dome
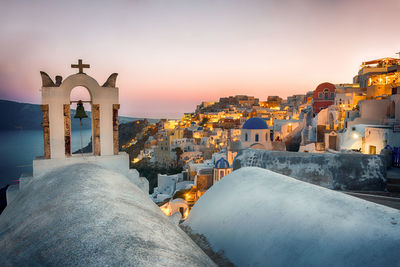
column 86, row 215
column 261, row 218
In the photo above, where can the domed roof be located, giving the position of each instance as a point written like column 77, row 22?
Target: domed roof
column 255, row 123
column 221, row 164
column 73, row 238
column 316, row 227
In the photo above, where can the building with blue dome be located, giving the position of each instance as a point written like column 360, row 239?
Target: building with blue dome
column 255, row 124
column 222, row 163
column 255, row 134
column 221, row 168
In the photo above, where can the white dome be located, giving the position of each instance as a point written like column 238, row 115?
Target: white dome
column 258, row 217
column 86, row 215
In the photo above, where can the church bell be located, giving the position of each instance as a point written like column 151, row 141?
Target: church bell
column 80, row 111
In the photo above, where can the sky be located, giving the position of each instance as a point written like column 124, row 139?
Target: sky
column 173, row 54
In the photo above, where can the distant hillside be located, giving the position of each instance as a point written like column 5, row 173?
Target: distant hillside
column 26, row 116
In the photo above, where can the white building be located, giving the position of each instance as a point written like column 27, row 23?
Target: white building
column 186, row 144
column 255, row 134
column 368, row 139
column 376, row 138
column 283, row 128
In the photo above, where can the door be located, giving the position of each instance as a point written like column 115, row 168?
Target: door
column 372, row 150
column 332, row 142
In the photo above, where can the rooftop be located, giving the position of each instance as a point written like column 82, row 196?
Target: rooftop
column 255, row 124
column 87, row 215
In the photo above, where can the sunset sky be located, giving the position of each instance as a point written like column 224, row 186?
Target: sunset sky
column 171, row 55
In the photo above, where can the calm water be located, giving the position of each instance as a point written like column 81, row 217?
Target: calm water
column 19, row 148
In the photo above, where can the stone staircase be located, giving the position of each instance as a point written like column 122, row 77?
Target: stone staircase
column 393, row 180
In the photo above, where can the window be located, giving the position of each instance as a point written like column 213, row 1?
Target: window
column 320, row 95
column 326, row 93
column 246, row 138
column 256, row 139
column 332, row 95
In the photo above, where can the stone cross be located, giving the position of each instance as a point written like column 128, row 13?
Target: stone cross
column 80, row 66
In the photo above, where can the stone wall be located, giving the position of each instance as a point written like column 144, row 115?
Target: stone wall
column 341, row 171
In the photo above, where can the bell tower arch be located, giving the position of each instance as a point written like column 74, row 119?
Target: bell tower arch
column 56, row 113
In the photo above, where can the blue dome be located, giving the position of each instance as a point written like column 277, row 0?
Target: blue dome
column 221, row 164
column 255, row 123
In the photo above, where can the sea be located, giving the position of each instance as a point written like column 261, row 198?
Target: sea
column 19, row 147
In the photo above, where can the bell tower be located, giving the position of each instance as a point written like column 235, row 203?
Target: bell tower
column 57, row 118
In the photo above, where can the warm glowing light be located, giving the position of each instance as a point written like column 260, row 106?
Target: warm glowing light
column 186, row 214
column 355, row 135
column 166, row 209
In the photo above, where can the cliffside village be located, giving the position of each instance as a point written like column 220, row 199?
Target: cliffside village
column 358, row 117
column 283, row 195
